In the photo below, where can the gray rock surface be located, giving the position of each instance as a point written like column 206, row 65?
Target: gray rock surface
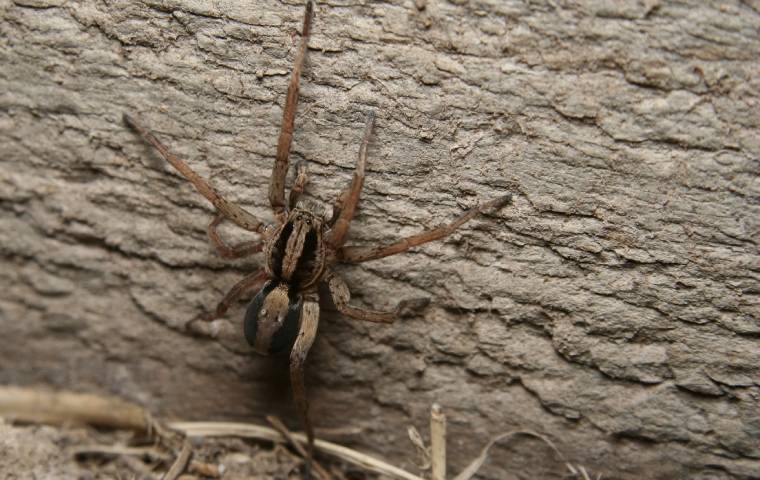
column 614, row 308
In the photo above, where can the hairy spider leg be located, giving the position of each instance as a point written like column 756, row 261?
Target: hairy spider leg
column 302, row 178
column 307, row 330
column 280, row 169
column 348, row 199
column 248, row 283
column 338, row 206
column 341, row 295
column 233, row 211
column 230, row 251
column 354, row 254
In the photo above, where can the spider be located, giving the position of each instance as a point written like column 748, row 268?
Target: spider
column 300, row 248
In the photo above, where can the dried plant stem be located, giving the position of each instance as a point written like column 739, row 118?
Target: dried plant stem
column 288, row 435
column 437, row 443
column 42, row 406
column 419, row 444
column 228, row 429
column 181, row 463
column 119, row 450
column 473, row 467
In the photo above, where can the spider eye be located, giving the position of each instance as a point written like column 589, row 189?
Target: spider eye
column 308, row 221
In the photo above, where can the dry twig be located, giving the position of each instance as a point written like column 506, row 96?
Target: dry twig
column 56, row 408
column 180, row 464
column 283, row 430
column 422, row 450
column 437, row 443
column 473, row 467
column 229, row 429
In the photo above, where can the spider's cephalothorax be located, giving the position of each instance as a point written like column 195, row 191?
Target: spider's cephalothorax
column 300, row 249
column 296, row 252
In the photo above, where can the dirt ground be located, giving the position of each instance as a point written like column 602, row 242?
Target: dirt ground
column 52, row 453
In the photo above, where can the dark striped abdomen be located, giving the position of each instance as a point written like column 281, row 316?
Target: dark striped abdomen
column 271, row 320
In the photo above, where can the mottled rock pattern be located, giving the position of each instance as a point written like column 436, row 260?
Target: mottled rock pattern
column 615, row 307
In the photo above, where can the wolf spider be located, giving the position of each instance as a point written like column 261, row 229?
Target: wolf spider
column 300, row 248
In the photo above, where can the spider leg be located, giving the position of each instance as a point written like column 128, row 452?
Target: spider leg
column 227, row 251
column 338, row 206
column 231, row 210
column 346, row 204
column 302, row 178
column 248, row 283
column 362, row 254
column 280, row 169
column 341, row 296
column 307, row 330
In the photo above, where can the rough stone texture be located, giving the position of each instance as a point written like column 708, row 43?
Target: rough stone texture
column 615, row 307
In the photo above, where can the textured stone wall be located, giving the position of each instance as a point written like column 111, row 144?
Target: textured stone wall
column 615, row 307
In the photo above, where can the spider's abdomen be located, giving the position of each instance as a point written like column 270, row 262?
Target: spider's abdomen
column 296, row 252
column 271, row 320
